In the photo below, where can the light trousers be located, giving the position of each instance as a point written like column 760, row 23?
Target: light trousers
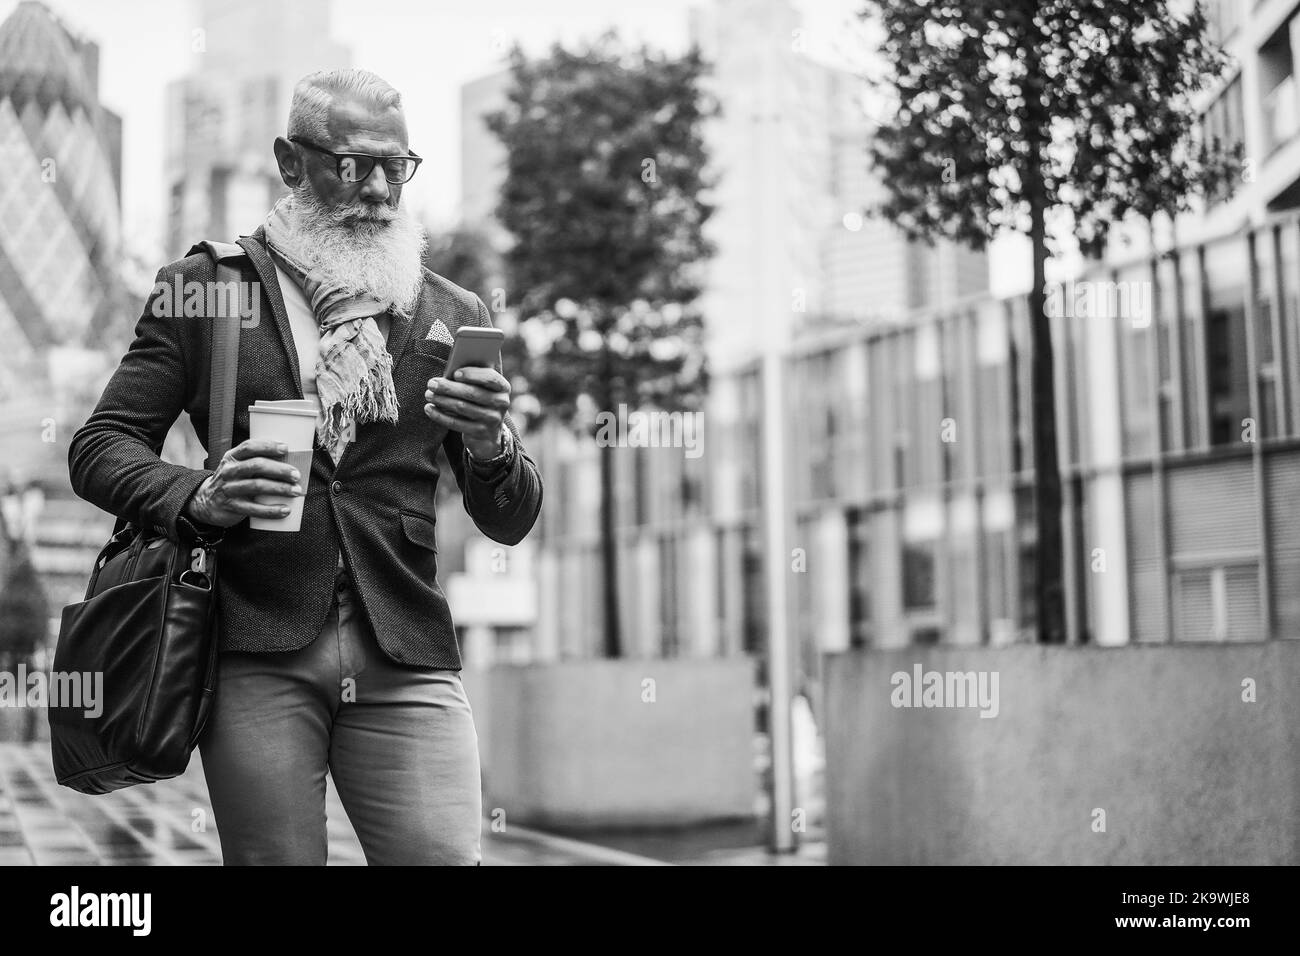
column 399, row 742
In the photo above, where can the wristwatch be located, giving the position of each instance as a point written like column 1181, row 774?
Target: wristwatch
column 489, row 465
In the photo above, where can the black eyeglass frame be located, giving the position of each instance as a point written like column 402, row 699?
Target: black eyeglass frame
column 339, row 158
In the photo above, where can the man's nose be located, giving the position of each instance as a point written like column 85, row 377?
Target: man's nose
column 375, row 188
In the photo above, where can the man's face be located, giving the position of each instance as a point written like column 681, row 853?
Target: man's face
column 355, row 127
column 347, row 227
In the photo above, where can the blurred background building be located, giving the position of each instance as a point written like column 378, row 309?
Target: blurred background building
column 790, row 235
column 220, row 174
column 909, row 419
column 60, row 290
column 907, row 415
column 1185, row 434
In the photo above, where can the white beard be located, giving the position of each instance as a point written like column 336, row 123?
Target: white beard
column 370, row 249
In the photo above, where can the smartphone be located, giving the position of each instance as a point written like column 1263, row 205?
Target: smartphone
column 474, row 345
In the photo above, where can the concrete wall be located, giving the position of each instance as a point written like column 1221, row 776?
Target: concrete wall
column 573, row 745
column 1157, row 737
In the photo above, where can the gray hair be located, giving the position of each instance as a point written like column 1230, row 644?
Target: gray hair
column 314, row 94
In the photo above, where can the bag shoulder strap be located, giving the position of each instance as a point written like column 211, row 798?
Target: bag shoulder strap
column 225, row 351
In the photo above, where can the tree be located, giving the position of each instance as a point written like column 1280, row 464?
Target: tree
column 24, row 618
column 24, row 608
column 602, row 198
column 466, row 257
column 1014, row 112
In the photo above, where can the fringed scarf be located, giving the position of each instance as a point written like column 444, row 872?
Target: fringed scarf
column 354, row 374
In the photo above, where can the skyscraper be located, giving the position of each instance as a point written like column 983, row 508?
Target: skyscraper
column 60, row 294
column 220, row 173
column 59, row 203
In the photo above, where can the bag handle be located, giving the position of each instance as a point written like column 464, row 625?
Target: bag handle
column 223, row 359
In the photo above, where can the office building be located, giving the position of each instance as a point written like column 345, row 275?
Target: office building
column 220, row 173
column 61, row 296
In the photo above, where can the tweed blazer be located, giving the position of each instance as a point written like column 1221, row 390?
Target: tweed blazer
column 275, row 589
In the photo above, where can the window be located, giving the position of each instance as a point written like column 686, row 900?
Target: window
column 1223, row 124
column 1289, row 307
column 670, row 642
column 819, row 435
column 1226, row 372
column 918, row 576
column 751, row 438
column 1277, row 86
column 997, row 580
column 1025, row 536
column 1190, row 336
column 753, row 627
column 1171, row 428
column 859, row 578
column 1019, row 377
column 691, row 488
column 1265, row 360
column 904, row 412
column 853, row 460
column 994, row 425
column 927, row 405
column 957, row 366
column 1136, row 330
column 1217, row 603
column 639, row 462
column 884, row 423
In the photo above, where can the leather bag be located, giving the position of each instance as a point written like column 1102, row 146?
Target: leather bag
column 148, row 623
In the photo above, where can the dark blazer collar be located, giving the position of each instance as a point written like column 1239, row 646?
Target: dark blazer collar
column 255, row 246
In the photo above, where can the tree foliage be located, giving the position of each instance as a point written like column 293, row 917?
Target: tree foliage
column 466, row 257
column 604, row 201
column 1011, row 111
column 24, row 607
column 1099, row 95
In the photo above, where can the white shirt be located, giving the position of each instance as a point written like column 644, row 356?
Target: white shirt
column 306, row 341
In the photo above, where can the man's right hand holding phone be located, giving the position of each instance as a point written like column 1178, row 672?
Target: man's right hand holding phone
column 475, row 404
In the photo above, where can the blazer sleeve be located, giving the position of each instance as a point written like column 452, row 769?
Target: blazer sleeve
column 113, row 459
column 505, row 503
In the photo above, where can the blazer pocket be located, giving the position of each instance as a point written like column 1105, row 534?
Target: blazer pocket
column 420, row 529
column 430, row 349
column 426, row 359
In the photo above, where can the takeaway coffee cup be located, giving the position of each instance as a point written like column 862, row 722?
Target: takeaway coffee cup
column 294, row 424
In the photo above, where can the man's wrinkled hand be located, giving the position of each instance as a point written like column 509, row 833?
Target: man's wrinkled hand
column 474, row 404
column 248, row 470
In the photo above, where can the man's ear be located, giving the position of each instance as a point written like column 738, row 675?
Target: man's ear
column 290, row 162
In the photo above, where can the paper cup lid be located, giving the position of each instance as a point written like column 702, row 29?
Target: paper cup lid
column 281, row 410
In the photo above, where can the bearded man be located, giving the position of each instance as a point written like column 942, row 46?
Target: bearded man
column 337, row 649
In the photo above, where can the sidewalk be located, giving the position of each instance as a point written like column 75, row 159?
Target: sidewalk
column 170, row 824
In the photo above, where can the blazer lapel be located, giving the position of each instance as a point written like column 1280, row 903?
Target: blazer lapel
column 255, row 246
column 399, row 331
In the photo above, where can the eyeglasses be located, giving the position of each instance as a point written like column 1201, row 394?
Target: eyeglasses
column 357, row 167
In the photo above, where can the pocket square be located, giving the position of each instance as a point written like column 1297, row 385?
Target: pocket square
column 439, row 332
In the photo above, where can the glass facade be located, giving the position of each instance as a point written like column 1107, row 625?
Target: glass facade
column 62, row 234
column 909, row 460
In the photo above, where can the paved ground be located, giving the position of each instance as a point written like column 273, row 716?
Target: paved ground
column 170, row 823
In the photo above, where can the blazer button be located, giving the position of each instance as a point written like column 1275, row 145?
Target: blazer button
column 337, row 488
